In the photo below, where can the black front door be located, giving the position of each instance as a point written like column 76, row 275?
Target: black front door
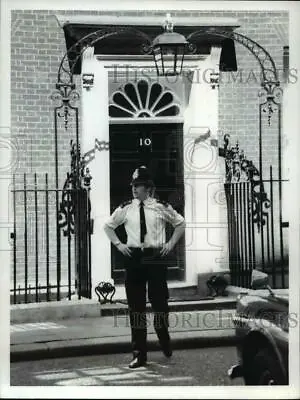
column 160, row 148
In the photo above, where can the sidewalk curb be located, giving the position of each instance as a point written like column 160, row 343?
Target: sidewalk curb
column 54, row 311
column 118, row 344
column 85, row 308
column 176, row 306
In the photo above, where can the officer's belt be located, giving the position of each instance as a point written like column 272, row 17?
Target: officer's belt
column 145, row 251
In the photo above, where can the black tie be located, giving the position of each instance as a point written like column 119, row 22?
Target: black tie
column 142, row 222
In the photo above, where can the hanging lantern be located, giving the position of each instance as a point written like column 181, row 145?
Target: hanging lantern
column 168, row 50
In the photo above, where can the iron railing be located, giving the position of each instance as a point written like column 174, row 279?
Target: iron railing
column 257, row 235
column 42, row 269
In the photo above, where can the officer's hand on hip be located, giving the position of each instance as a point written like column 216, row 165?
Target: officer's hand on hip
column 124, row 249
column 166, row 249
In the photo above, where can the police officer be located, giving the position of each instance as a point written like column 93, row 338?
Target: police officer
column 144, row 219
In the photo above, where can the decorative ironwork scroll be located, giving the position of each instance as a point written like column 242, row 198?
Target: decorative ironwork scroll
column 65, row 97
column 104, row 289
column 270, row 103
column 73, row 182
column 76, row 179
column 90, row 155
column 66, row 210
column 240, row 169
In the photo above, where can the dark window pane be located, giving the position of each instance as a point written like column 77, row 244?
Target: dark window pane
column 131, row 93
column 115, row 112
column 166, row 99
column 171, row 111
column 143, row 90
column 156, row 90
column 122, row 101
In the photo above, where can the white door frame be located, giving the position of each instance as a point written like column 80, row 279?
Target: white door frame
column 159, row 120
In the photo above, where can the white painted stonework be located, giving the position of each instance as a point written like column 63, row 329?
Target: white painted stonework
column 95, row 125
column 205, row 210
column 206, row 244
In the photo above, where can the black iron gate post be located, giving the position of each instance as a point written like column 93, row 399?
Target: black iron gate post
column 75, row 218
column 252, row 223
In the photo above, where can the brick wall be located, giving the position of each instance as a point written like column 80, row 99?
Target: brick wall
column 239, row 100
column 37, row 46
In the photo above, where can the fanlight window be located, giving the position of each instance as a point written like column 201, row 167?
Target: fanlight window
column 143, row 100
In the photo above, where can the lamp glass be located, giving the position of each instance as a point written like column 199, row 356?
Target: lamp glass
column 168, row 58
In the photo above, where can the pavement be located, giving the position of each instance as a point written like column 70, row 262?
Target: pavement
column 84, row 327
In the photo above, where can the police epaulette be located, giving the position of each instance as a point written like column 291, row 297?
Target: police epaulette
column 165, row 203
column 125, row 203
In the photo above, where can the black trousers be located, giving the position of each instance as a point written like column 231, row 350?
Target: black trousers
column 146, row 267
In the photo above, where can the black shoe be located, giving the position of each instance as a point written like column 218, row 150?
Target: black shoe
column 167, row 349
column 138, row 361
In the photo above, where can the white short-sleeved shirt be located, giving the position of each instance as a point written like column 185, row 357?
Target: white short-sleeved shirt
column 156, row 215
